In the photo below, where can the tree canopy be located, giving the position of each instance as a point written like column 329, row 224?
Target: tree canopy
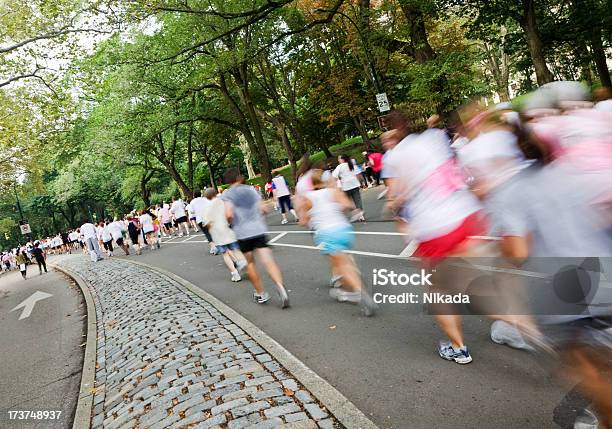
column 106, row 106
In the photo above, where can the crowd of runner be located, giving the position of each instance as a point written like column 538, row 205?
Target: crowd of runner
column 539, row 178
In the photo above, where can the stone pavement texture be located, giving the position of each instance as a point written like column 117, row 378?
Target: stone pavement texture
column 166, row 358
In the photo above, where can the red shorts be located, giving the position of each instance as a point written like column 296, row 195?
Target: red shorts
column 439, row 248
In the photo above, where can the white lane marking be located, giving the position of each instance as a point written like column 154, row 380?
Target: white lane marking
column 29, row 303
column 185, row 242
column 278, row 237
column 189, row 238
column 397, row 234
column 409, row 249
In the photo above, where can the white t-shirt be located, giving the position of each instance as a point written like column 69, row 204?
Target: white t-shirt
column 325, row 212
column 73, row 236
column 164, row 214
column 116, row 229
column 178, row 209
column 190, row 210
column 147, row 223
column 106, row 234
column 348, row 177
column 438, row 199
column 88, row 230
column 279, row 184
column 217, row 222
column 199, row 206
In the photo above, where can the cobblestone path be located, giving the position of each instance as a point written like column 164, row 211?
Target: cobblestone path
column 166, row 358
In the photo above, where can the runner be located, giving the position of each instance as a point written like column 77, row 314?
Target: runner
column 180, row 216
column 7, row 260
column 21, row 260
column 192, row 217
column 117, row 228
column 90, row 239
column 282, row 195
column 225, row 239
column 443, row 214
column 148, row 229
column 200, row 205
column 323, row 212
column 40, row 257
column 375, row 162
column 345, row 172
column 134, row 233
column 244, row 210
column 165, row 218
column 107, row 238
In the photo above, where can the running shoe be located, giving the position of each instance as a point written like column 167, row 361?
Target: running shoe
column 236, row 276
column 368, row 306
column 180, row 234
column 284, row 222
column 335, row 281
column 448, row 352
column 158, row 245
column 342, row 295
column 241, row 266
column 282, row 295
column 261, row 299
column 213, row 251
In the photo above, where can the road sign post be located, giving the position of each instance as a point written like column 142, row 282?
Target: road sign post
column 383, row 102
column 24, row 226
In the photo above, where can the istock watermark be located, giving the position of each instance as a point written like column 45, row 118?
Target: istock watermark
column 385, row 277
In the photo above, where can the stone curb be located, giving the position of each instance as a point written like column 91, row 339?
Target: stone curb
column 82, row 415
column 335, row 402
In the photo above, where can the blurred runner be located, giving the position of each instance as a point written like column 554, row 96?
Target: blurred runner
column 324, row 212
column 200, row 206
column 349, row 183
column 90, row 239
column 282, row 195
column 225, row 239
column 180, row 216
column 443, row 214
column 244, row 211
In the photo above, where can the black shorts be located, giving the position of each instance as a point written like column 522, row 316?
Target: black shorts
column 134, row 238
column 182, row 219
column 285, row 203
column 108, row 245
column 119, row 241
column 250, row 244
column 168, row 225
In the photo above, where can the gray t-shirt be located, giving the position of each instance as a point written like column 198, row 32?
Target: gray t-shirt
column 554, row 208
column 248, row 220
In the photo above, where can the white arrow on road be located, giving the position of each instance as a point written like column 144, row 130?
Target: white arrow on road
column 29, row 303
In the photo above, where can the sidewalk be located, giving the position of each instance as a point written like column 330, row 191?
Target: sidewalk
column 168, row 358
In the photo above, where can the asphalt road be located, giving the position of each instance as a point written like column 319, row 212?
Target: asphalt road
column 387, row 365
column 41, row 357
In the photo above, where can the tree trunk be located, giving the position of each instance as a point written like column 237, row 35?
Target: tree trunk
column 534, row 43
column 282, row 132
column 358, row 121
column 599, row 56
column 211, row 169
column 190, row 159
column 246, row 126
column 421, row 49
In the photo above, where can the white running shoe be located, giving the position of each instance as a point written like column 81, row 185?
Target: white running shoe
column 236, row 276
column 261, row 299
column 284, row 222
column 342, row 295
column 180, row 234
